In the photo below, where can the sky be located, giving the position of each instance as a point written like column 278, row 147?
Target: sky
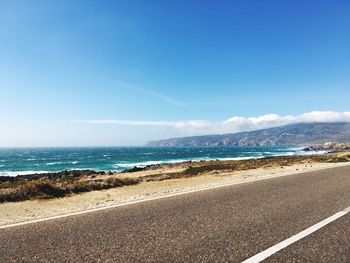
column 118, row 73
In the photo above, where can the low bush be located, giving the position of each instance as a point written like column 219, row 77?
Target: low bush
column 44, row 188
column 340, row 158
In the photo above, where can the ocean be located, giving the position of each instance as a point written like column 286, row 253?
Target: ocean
column 14, row 161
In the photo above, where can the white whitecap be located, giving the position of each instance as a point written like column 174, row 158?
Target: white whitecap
column 54, row 163
column 13, row 174
column 140, row 164
column 311, row 152
column 144, row 164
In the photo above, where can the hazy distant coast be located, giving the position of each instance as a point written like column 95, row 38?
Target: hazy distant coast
column 300, row 134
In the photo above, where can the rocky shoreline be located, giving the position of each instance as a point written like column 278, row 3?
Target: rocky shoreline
column 329, row 147
column 88, row 173
column 66, row 183
column 75, row 174
column 63, row 175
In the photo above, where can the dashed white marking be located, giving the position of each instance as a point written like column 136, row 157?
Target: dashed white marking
column 274, row 249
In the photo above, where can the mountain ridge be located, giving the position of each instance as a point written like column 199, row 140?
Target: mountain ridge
column 297, row 134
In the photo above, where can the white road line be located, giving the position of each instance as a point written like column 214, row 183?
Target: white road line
column 274, row 249
column 266, row 177
column 139, row 201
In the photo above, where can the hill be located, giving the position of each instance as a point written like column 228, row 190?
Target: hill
column 292, row 135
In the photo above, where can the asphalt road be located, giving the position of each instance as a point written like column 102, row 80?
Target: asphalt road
column 228, row 224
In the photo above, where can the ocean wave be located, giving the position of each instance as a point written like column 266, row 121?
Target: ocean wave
column 284, row 154
column 300, row 153
column 140, row 164
column 311, row 152
column 294, row 149
column 54, row 163
column 239, row 158
column 13, row 174
column 144, row 164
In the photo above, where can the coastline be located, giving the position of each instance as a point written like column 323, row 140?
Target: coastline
column 116, row 159
column 160, row 182
column 151, row 165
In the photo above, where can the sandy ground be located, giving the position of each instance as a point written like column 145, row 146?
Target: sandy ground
column 17, row 212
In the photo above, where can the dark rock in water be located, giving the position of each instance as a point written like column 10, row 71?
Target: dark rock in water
column 154, row 166
column 307, row 149
column 329, row 147
column 150, row 167
column 134, row 169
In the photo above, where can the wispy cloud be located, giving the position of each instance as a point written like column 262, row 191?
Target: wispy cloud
column 185, row 126
column 158, row 95
column 233, row 124
column 126, row 122
column 148, row 92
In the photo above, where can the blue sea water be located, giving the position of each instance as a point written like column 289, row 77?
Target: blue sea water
column 14, row 161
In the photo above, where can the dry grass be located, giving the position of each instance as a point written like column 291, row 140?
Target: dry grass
column 44, row 188
column 342, row 157
column 219, row 167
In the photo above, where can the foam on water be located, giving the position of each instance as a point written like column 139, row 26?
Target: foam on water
column 239, row 158
column 54, row 163
column 131, row 165
column 144, row 164
column 312, row 152
column 13, row 174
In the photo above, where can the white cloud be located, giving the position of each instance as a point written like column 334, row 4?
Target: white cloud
column 233, row 124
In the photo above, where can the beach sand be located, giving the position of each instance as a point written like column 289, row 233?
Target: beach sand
column 16, row 212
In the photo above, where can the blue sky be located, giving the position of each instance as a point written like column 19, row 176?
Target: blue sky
column 124, row 72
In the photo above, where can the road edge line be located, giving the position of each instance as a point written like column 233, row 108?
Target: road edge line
column 164, row 196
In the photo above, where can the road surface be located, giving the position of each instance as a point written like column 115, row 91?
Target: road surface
column 228, row 224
